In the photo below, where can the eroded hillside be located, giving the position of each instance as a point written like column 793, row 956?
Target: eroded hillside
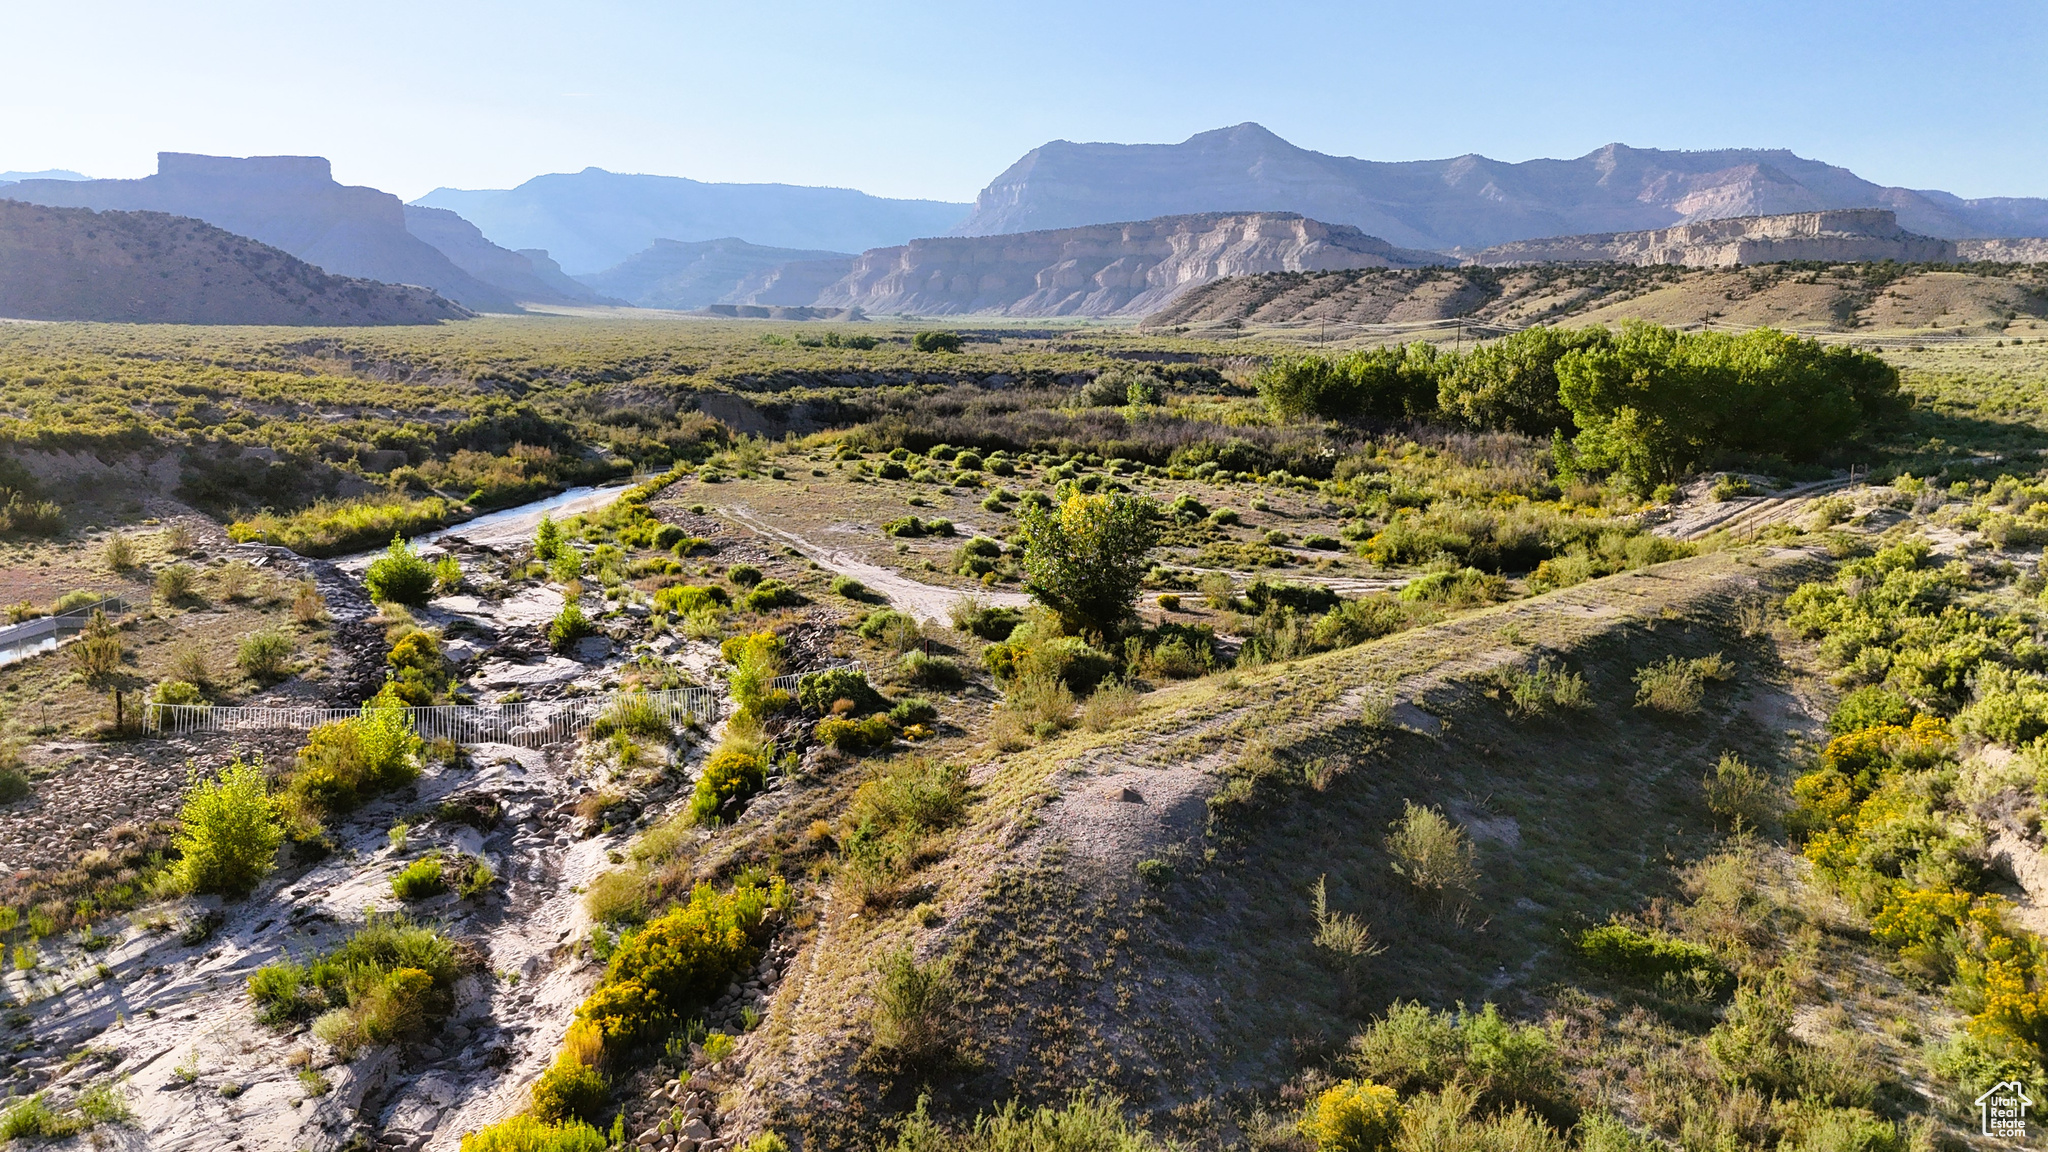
column 1870, row 300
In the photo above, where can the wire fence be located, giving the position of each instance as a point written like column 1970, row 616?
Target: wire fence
column 42, row 632
column 530, row 724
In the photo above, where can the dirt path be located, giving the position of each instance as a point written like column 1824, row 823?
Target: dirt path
column 924, row 601
column 1747, row 514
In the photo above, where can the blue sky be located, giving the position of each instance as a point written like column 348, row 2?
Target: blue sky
column 931, row 100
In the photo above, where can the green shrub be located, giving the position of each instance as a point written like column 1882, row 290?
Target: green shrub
column 447, row 573
column 388, row 982
column 227, row 839
column 569, row 626
column 1353, row 1116
column 344, row 762
column 914, row 1017
column 1433, row 855
column 1069, row 660
column 177, row 692
column 14, row 783
column 399, row 576
column 266, row 656
column 176, row 582
column 1534, row 692
column 912, row 710
column 932, row 341
column 570, row 1091
column 1413, row 1049
column 1677, row 686
column 618, row 897
column 1357, row 621
column 818, row 691
column 1742, row 794
column 526, row 1133
column 1090, row 1122
column 744, row 575
column 899, row 630
column 685, row 599
column 914, row 667
column 986, row 622
column 34, row 1119
column 913, row 792
column 735, row 771
column 756, row 660
column 672, row 969
column 856, row 736
column 331, row 528
column 769, row 595
column 1868, row 707
column 635, row 714
column 1656, row 960
column 419, row 879
column 850, row 588
column 1461, row 587
column 1264, row 594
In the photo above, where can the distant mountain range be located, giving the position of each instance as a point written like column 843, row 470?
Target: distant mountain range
column 1463, row 203
column 669, row 242
column 1102, row 269
column 149, row 267
column 45, row 174
column 674, row 274
column 594, row 219
column 294, row 203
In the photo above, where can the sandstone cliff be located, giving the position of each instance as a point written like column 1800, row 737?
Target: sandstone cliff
column 148, row 267
column 288, row 202
column 1855, row 235
column 1106, row 270
column 1465, row 201
column 2020, row 250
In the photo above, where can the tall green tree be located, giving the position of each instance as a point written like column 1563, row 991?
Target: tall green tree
column 1085, row 558
column 1511, row 383
column 1384, row 384
column 1654, row 404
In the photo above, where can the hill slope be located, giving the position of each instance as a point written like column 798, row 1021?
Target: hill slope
column 594, row 219
column 1076, row 967
column 148, row 267
column 520, row 275
column 288, row 202
column 1843, row 236
column 1466, row 201
column 1885, row 299
column 1110, row 269
column 676, row 274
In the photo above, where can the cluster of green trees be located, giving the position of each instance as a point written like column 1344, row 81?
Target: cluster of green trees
column 1646, row 403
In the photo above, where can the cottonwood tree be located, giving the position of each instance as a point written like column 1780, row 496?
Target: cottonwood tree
column 1085, row 558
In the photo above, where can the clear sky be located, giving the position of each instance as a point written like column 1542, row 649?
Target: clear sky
column 932, row 100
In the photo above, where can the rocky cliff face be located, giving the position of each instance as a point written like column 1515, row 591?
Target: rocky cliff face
column 1106, row 270
column 2023, row 250
column 517, row 274
column 287, row 202
column 1466, row 201
column 1856, row 235
column 148, row 267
